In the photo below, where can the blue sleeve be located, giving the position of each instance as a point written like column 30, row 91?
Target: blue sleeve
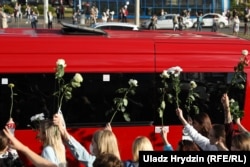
column 167, row 147
column 80, row 153
column 49, row 154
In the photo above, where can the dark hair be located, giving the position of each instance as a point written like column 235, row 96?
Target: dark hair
column 187, row 145
column 107, row 160
column 205, row 122
column 219, row 132
column 242, row 141
column 3, row 141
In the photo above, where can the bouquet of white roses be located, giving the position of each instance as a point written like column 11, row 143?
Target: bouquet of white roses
column 174, row 73
column 165, row 94
column 237, row 81
column 238, row 75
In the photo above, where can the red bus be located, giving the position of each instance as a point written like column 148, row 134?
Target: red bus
column 28, row 59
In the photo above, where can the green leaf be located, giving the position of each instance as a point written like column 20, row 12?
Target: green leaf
column 160, row 112
column 121, row 90
column 125, row 102
column 76, row 84
column 126, row 117
column 123, row 109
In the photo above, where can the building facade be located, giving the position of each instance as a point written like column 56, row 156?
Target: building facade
column 149, row 7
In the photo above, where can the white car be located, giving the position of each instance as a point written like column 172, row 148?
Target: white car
column 208, row 20
column 166, row 22
column 115, row 26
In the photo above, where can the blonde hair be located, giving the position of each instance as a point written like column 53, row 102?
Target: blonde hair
column 141, row 143
column 106, row 142
column 51, row 137
column 241, row 141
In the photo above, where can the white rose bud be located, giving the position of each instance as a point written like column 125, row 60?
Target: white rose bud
column 78, row 78
column 133, row 82
column 244, row 52
column 193, row 84
column 232, row 100
column 61, row 62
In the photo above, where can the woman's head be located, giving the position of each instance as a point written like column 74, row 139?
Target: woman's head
column 141, row 143
column 104, row 141
column 48, row 132
column 107, row 160
column 187, row 145
column 202, row 123
column 241, row 142
column 217, row 134
column 49, row 135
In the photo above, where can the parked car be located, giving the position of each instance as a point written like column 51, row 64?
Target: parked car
column 115, row 26
column 208, row 20
column 166, row 22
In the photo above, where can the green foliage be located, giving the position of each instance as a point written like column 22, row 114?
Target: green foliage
column 40, row 9
column 240, row 8
column 235, row 110
column 8, row 9
column 238, row 81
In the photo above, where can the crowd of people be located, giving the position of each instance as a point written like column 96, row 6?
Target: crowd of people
column 202, row 134
column 91, row 14
column 234, row 21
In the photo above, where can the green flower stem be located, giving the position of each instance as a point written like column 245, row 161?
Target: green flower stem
column 125, row 95
column 176, row 96
column 113, row 116
column 163, row 98
column 61, row 99
column 59, row 93
column 11, row 106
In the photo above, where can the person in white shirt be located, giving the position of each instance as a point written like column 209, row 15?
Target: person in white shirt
column 50, row 20
column 215, row 140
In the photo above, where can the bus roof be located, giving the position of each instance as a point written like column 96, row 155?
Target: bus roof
column 28, row 50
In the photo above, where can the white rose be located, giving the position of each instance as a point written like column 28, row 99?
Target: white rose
column 78, row 78
column 61, row 62
column 171, row 70
column 244, row 52
column 193, row 84
column 41, row 117
column 165, row 74
column 175, row 71
column 133, row 82
column 232, row 100
column 32, row 118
